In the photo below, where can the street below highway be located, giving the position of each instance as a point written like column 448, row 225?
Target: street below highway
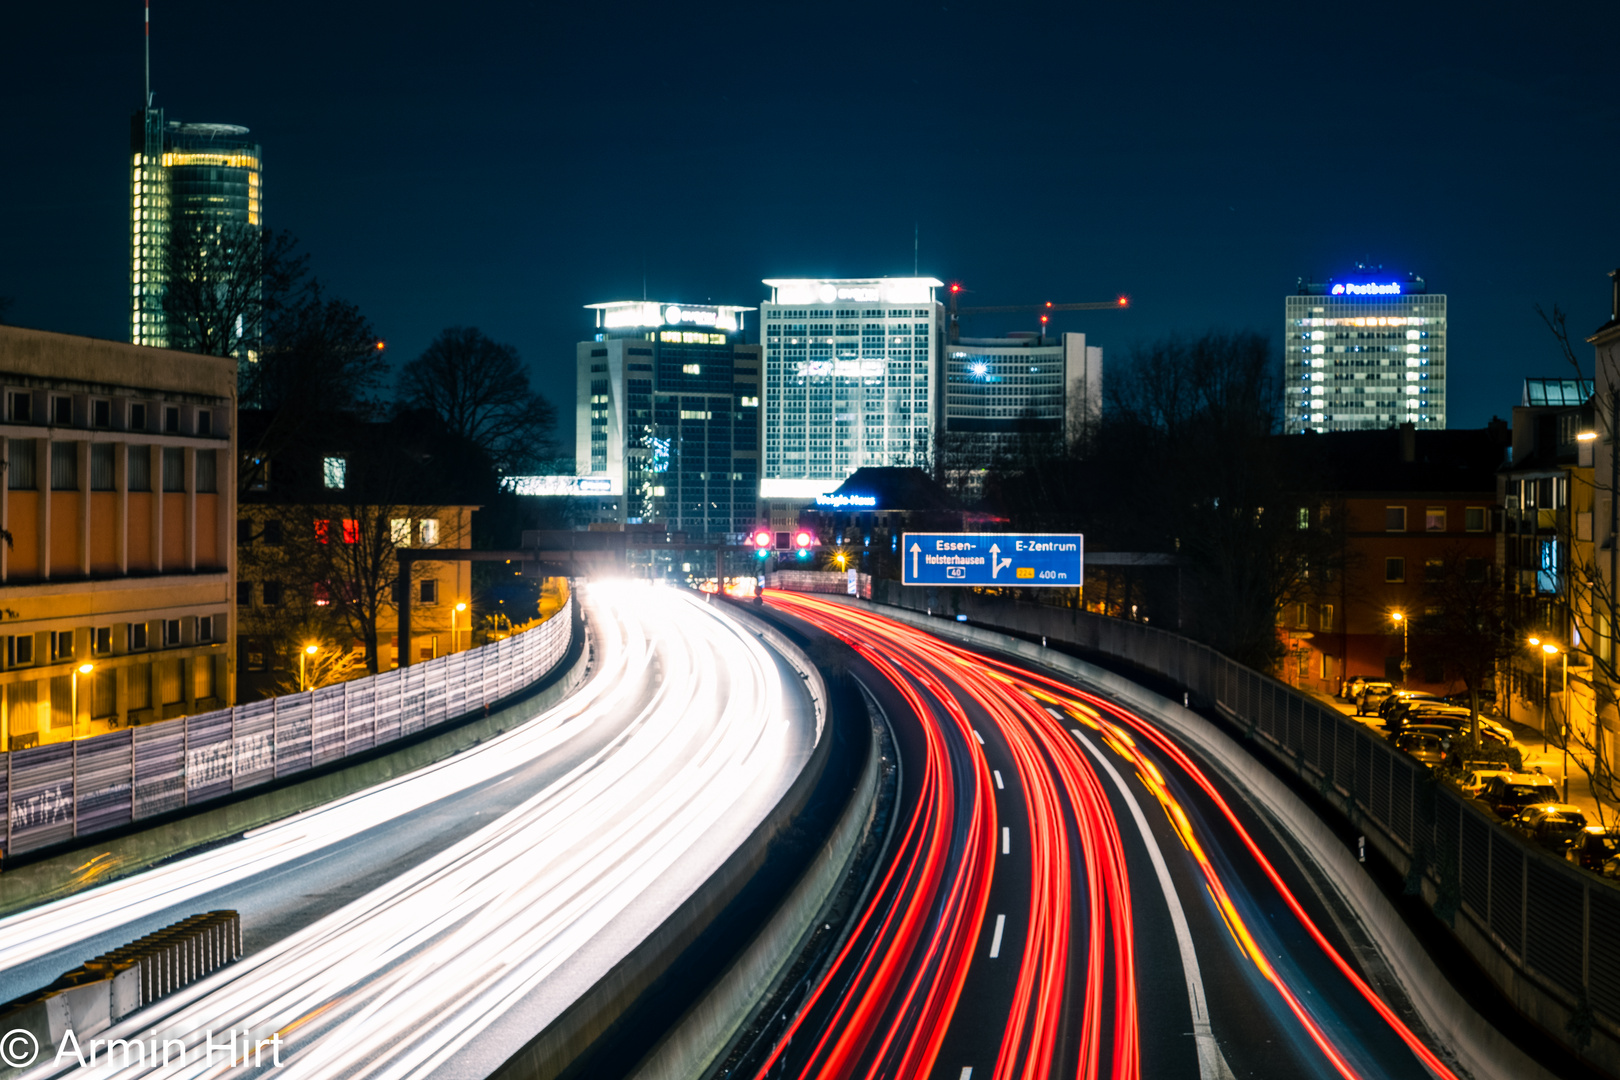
column 1067, row 891
column 430, row 926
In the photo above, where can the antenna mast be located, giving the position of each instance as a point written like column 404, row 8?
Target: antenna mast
column 148, row 54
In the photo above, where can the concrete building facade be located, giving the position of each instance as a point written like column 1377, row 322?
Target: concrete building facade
column 851, row 381
column 119, row 496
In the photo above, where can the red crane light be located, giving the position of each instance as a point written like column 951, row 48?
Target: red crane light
column 1044, row 318
column 1049, row 303
column 955, row 287
column 1124, row 302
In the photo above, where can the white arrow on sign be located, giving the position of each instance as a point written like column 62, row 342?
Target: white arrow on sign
column 916, row 549
column 997, row 565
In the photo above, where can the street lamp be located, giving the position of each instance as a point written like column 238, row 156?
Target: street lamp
column 82, row 669
column 460, row 606
column 1545, row 650
column 309, row 650
column 1549, row 649
column 1406, row 663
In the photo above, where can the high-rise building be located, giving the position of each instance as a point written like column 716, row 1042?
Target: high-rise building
column 667, row 413
column 1017, row 395
column 1363, row 352
column 196, row 176
column 851, row 379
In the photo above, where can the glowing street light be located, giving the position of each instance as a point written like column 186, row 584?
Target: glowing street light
column 460, row 606
column 309, row 650
column 1405, row 624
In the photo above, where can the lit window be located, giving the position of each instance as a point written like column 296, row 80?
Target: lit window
column 691, row 369
column 321, row 530
column 399, row 532
column 430, row 531
column 1434, row 519
column 334, row 472
column 351, row 531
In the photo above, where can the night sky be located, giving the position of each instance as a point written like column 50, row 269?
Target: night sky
column 501, row 165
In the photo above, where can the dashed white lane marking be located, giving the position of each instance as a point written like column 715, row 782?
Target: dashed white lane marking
column 976, row 735
column 995, row 942
column 1006, row 840
column 997, row 774
column 967, row 1072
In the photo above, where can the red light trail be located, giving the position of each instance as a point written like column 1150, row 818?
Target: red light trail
column 887, row 1000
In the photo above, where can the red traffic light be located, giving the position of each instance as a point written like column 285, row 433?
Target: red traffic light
column 804, row 539
column 762, row 538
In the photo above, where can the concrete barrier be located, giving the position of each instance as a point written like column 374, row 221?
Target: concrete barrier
column 1479, row 1048
column 108, row 859
column 710, row 1025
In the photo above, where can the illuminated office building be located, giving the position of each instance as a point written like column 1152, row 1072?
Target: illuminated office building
column 1020, row 395
column 1365, row 352
column 182, row 175
column 851, row 379
column 667, row 415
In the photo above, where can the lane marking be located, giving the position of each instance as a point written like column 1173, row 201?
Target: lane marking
column 1006, row 840
column 997, row 774
column 995, row 942
column 1211, row 1062
column 967, row 1072
column 976, row 735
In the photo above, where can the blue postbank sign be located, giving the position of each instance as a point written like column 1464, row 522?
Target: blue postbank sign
column 1024, row 560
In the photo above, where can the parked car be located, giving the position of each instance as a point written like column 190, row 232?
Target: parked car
column 1597, row 849
column 1406, row 712
column 1429, row 747
column 1487, row 698
column 1371, row 696
column 1509, row 794
column 1402, row 698
column 1554, row 826
column 1477, row 777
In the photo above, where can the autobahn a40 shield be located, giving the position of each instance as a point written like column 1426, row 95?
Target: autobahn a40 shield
column 1026, row 560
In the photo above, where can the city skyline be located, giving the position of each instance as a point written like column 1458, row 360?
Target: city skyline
column 1111, row 208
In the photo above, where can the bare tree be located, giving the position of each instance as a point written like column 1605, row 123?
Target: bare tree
column 480, row 388
column 1468, row 625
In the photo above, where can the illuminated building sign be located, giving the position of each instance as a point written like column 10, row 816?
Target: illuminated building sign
column 1368, row 289
column 842, row 501
column 561, row 485
column 854, row 290
column 624, row 314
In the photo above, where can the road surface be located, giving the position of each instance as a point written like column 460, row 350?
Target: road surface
column 432, row 925
column 1067, row 892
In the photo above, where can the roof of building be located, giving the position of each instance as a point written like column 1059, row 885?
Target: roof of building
column 1556, row 392
column 897, row 488
column 1348, row 462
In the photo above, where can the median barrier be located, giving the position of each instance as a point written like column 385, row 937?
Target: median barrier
column 48, row 876
column 1547, row 934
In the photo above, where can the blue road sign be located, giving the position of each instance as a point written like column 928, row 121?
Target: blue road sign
column 1025, row 560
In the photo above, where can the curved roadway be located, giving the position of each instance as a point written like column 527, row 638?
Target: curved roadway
column 1066, row 892
column 432, row 925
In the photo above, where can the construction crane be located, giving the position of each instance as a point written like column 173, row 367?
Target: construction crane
column 1045, row 310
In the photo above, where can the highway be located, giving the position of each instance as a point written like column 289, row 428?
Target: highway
column 430, row 926
column 1067, row 892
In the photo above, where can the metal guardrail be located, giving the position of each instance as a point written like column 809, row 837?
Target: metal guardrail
column 1547, row 922
column 60, row 791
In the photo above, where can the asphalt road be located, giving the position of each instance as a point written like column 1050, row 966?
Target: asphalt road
column 1067, row 892
column 432, row 925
